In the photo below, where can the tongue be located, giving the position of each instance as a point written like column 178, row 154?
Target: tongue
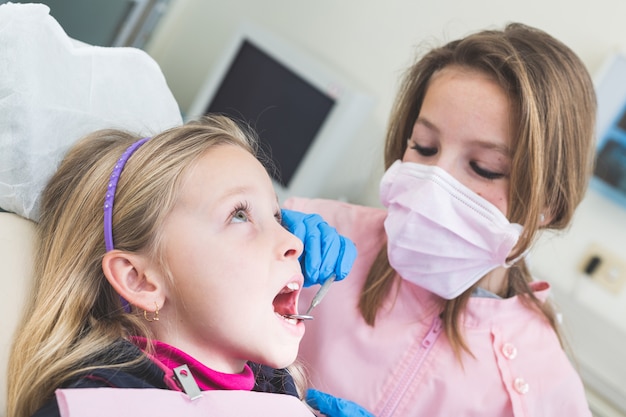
column 284, row 304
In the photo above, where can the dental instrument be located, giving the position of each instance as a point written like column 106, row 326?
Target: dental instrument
column 315, row 301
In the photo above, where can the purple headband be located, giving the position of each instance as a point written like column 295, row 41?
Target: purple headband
column 110, row 196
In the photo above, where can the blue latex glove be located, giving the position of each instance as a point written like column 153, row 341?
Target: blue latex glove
column 334, row 407
column 326, row 252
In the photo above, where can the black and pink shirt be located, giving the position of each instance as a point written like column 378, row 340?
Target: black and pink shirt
column 156, row 371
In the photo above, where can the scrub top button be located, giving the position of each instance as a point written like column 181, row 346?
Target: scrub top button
column 521, row 386
column 509, row 351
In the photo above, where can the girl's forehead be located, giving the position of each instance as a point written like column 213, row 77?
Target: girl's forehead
column 222, row 171
column 453, row 71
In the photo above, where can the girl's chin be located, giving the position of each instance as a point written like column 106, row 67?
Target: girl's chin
column 282, row 361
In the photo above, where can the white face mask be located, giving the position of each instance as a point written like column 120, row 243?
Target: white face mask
column 441, row 235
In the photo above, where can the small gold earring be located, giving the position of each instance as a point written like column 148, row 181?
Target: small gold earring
column 155, row 317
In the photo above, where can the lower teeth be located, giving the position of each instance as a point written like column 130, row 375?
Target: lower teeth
column 290, row 320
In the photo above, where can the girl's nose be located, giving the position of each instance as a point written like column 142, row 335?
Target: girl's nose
column 447, row 161
column 443, row 161
column 291, row 246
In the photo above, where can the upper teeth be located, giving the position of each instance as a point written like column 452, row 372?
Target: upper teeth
column 293, row 286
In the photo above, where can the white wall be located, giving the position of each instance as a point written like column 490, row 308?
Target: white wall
column 372, row 41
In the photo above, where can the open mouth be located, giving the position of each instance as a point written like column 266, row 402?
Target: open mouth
column 286, row 302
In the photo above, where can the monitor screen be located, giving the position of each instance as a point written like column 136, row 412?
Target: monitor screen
column 307, row 115
column 284, row 109
column 610, row 164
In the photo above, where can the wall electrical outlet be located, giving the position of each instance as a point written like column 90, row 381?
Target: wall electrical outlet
column 604, row 267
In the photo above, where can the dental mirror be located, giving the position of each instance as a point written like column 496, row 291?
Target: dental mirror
column 299, row 316
column 315, row 301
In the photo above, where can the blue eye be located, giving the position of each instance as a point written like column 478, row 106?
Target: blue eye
column 240, row 216
column 241, row 213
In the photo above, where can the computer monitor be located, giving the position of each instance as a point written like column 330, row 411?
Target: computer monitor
column 610, row 167
column 304, row 113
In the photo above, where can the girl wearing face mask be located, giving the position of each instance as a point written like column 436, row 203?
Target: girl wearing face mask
column 490, row 142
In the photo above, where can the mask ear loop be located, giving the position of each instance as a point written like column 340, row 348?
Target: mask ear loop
column 542, row 218
column 517, row 259
column 109, row 200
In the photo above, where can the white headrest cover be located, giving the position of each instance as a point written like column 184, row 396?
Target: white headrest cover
column 54, row 90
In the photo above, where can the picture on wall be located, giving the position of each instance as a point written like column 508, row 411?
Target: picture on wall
column 610, row 164
column 611, row 158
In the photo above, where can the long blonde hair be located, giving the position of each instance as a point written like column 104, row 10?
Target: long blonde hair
column 554, row 106
column 75, row 314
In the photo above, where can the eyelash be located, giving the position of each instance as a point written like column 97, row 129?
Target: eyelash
column 427, row 152
column 424, row 151
column 484, row 173
column 242, row 206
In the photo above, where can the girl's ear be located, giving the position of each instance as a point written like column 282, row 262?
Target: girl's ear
column 130, row 276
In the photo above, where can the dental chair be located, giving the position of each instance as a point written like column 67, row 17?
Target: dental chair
column 53, row 91
column 16, row 257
